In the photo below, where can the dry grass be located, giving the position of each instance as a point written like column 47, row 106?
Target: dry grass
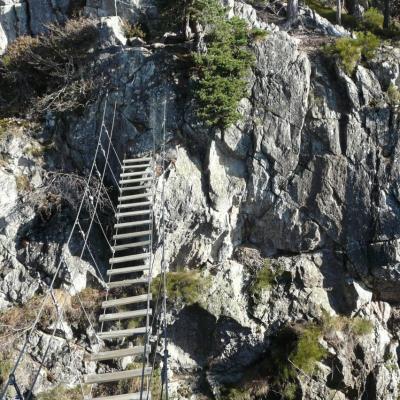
column 51, row 71
column 356, row 326
column 17, row 320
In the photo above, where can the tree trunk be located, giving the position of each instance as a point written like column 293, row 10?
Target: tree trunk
column 386, row 19
column 292, row 10
column 339, row 12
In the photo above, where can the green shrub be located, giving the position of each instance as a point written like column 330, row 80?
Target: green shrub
column 350, row 51
column 393, row 93
column 236, row 394
column 5, row 369
column 185, row 286
column 373, row 18
column 357, row 326
column 222, row 72
column 360, row 326
column 290, row 391
column 257, row 34
column 132, row 30
column 136, row 323
column 156, row 384
column 265, row 278
column 348, row 21
column 308, row 350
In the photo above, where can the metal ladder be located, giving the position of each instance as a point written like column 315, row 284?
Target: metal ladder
column 129, row 275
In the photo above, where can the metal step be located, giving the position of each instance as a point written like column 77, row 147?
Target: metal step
column 131, row 245
column 126, row 300
column 136, row 160
column 133, row 213
column 116, row 376
column 130, row 224
column 136, row 166
column 135, row 196
column 121, row 353
column 132, row 235
column 131, row 205
column 137, row 180
column 126, row 189
column 122, row 333
column 132, row 257
column 128, row 396
column 129, row 174
column 124, row 315
column 127, row 270
column 128, row 282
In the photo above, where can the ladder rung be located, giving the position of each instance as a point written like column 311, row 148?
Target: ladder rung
column 116, row 376
column 132, row 257
column 136, row 166
column 128, row 396
column 127, row 282
column 133, row 213
column 129, row 174
column 132, row 235
column 127, row 270
column 132, row 205
column 124, row 181
column 122, row 333
column 126, row 300
column 126, row 189
column 131, row 245
column 135, row 160
column 133, row 223
column 124, row 315
column 135, row 196
column 112, row 354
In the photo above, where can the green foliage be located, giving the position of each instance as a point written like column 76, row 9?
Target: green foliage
column 185, row 286
column 206, row 12
column 289, row 391
column 356, row 326
column 348, row 21
column 371, row 22
column 133, row 30
column 373, row 18
column 62, row 393
column 175, row 13
column 156, row 384
column 360, row 326
column 136, row 323
column 308, row 350
column 265, row 278
column 222, row 72
column 236, row 394
column 258, row 34
column 350, row 51
column 393, row 93
column 5, row 369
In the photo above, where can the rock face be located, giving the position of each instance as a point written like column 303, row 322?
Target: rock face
column 29, row 17
column 308, row 179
